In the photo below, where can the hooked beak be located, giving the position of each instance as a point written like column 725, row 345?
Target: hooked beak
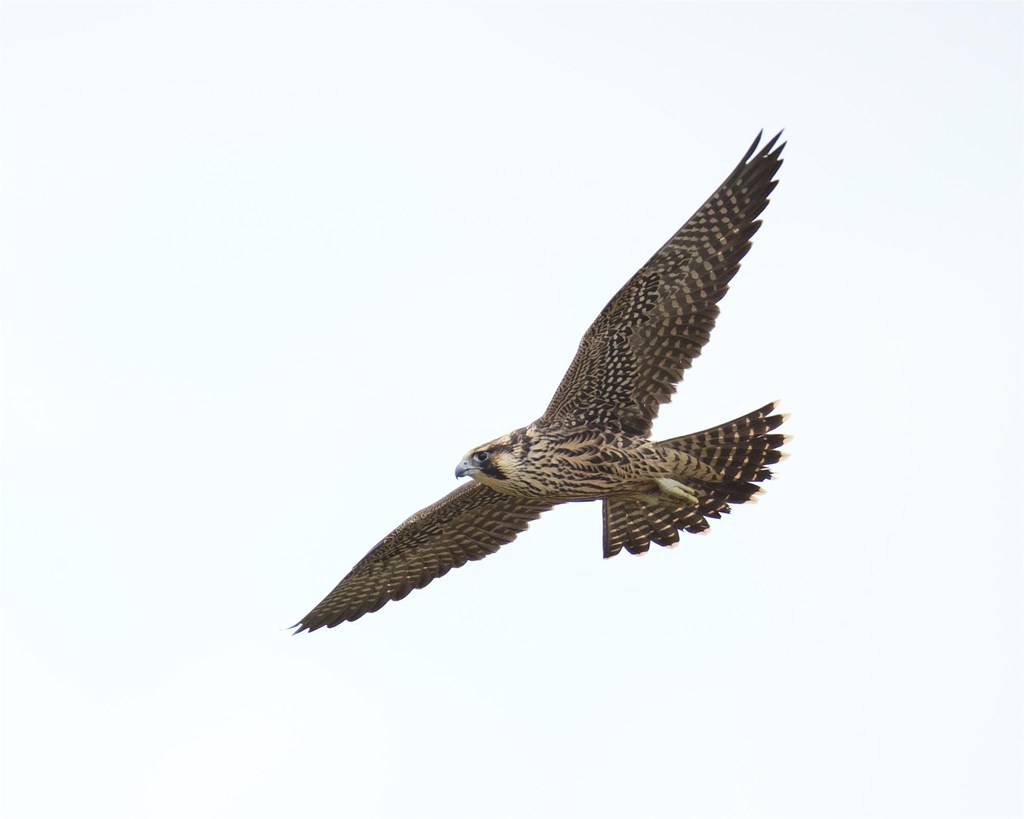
column 465, row 468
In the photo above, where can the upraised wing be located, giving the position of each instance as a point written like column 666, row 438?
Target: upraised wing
column 636, row 351
column 467, row 524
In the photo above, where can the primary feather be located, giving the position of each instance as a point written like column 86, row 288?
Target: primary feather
column 592, row 442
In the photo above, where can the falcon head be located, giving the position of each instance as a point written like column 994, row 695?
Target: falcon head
column 490, row 463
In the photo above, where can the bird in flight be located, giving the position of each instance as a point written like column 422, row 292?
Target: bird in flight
column 593, row 441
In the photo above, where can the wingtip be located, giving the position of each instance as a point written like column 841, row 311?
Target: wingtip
column 753, row 147
column 770, row 148
column 771, row 144
column 309, row 626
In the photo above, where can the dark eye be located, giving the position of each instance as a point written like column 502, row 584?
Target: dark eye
column 482, row 457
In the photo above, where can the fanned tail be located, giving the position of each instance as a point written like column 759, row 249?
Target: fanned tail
column 737, row 453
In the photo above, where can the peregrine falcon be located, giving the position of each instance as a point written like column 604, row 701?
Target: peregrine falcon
column 593, row 441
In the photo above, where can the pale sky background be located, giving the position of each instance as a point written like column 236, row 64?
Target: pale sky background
column 269, row 270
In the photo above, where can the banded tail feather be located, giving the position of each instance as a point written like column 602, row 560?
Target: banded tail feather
column 739, row 452
column 634, row 525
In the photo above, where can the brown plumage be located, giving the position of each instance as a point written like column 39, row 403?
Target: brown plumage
column 592, row 442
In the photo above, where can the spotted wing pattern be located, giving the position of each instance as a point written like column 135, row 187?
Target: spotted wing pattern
column 467, row 524
column 636, row 351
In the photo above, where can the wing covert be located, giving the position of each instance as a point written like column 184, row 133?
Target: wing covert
column 636, row 351
column 467, row 524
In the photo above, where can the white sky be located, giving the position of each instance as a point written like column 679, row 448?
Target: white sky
column 269, row 270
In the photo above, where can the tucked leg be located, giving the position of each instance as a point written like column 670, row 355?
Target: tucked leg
column 672, row 487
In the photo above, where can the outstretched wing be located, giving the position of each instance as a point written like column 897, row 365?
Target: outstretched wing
column 636, row 351
column 467, row 524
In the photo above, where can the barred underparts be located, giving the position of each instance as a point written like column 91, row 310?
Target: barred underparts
column 593, row 440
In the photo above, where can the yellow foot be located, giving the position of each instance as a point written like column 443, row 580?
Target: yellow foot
column 672, row 487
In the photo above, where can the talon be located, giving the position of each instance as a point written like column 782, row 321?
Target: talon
column 672, row 487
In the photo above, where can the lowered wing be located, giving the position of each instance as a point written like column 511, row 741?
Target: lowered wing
column 467, row 524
